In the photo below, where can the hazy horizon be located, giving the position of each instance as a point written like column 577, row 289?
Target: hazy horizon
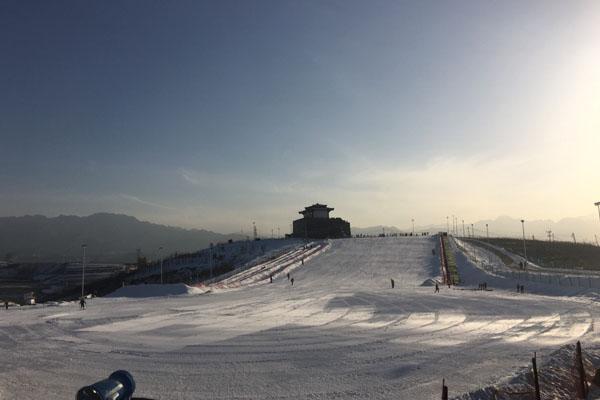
column 216, row 114
column 586, row 227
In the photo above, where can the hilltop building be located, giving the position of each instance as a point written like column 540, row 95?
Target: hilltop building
column 316, row 224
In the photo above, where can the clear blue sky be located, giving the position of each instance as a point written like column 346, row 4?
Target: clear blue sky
column 215, row 114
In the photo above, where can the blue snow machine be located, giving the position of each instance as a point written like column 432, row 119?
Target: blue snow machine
column 118, row 386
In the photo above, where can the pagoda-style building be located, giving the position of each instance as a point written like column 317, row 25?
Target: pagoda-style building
column 316, row 224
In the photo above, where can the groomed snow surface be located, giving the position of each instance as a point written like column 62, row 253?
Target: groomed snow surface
column 340, row 332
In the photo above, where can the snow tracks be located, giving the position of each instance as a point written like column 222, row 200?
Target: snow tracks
column 275, row 267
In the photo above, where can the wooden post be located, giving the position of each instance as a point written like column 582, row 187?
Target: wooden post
column 582, row 384
column 444, row 390
column 536, row 381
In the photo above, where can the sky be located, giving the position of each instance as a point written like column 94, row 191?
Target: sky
column 215, row 114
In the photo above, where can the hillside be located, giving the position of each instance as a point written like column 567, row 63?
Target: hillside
column 109, row 238
column 554, row 254
column 338, row 332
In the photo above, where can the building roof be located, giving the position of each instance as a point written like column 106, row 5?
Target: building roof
column 316, row 206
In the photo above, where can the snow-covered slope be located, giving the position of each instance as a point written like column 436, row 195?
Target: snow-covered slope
column 339, row 332
column 156, row 290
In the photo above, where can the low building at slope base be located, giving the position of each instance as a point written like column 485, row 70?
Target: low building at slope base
column 316, row 224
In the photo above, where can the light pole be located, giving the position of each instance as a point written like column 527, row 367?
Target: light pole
column 524, row 247
column 487, row 235
column 472, row 231
column 597, row 204
column 413, row 225
column 161, row 264
column 83, row 246
column 463, row 221
column 447, row 225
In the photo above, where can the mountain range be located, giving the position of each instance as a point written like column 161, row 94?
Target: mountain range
column 108, row 238
column 117, row 238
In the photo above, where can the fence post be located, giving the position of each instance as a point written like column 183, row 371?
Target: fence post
column 444, row 390
column 536, row 381
column 582, row 384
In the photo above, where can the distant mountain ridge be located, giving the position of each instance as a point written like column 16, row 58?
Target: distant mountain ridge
column 585, row 228
column 375, row 230
column 109, row 238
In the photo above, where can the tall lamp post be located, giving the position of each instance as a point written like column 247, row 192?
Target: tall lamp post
column 161, row 264
column 487, row 235
column 83, row 246
column 447, row 225
column 413, row 225
column 463, row 222
column 472, row 231
column 597, row 204
column 524, row 247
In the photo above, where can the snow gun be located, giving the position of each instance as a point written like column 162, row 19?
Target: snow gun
column 119, row 385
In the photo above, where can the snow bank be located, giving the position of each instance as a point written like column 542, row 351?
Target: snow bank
column 429, row 282
column 155, row 290
column 557, row 378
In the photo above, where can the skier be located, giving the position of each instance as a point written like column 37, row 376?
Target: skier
column 302, row 261
column 392, row 282
column 437, row 288
column 292, row 281
column 6, row 304
column 288, row 276
column 271, row 278
column 82, row 303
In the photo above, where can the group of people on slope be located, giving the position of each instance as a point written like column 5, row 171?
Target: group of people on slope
column 290, row 279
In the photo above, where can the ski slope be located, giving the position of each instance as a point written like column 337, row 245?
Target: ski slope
column 340, row 332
